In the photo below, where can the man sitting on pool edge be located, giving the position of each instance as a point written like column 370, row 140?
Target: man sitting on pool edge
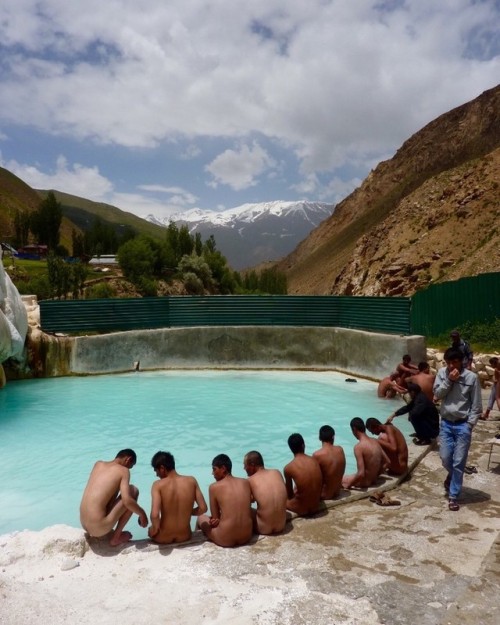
column 230, row 523
column 269, row 492
column 371, row 459
column 172, row 499
column 109, row 499
column 303, row 479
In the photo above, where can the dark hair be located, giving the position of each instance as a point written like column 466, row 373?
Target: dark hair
column 296, row 443
column 357, row 424
column 163, row 459
column 452, row 353
column 407, row 357
column 254, row 458
column 372, row 422
column 493, row 361
column 326, row 433
column 423, row 365
column 124, row 453
column 223, row 461
column 413, row 388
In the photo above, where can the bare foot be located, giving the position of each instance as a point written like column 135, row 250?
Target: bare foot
column 123, row 537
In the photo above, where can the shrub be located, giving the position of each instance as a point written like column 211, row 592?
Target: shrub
column 483, row 336
column 101, row 290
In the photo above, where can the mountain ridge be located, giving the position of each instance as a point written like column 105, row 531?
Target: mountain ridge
column 325, row 262
column 254, row 233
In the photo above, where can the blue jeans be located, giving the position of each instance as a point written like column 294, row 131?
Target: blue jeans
column 454, row 443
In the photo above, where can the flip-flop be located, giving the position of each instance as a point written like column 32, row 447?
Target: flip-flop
column 376, row 497
column 470, row 469
column 385, row 500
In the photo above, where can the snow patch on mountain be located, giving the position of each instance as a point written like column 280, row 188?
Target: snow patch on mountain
column 252, row 233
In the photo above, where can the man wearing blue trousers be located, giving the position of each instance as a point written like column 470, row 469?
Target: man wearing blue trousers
column 460, row 394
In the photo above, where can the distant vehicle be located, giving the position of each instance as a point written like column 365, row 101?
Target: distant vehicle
column 103, row 259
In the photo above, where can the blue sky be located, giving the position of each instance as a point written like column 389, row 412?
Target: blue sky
column 159, row 107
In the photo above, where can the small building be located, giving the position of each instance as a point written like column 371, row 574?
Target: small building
column 33, row 252
column 104, row 259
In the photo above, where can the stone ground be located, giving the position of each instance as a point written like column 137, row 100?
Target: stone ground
column 355, row 564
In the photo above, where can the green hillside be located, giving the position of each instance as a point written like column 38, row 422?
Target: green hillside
column 82, row 213
column 78, row 213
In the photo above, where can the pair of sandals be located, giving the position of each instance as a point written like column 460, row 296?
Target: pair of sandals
column 381, row 499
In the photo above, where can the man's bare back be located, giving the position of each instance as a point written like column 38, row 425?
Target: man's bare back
column 304, row 472
column 109, row 499
column 268, row 490
column 230, row 523
column 331, row 459
column 371, row 460
column 393, row 443
column 172, row 505
column 426, row 383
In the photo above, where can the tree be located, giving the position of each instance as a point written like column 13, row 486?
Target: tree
column 186, row 241
column 46, row 221
column 21, row 229
column 137, row 258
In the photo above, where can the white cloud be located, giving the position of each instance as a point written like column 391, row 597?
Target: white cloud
column 87, row 182
column 75, row 179
column 332, row 82
column 240, row 168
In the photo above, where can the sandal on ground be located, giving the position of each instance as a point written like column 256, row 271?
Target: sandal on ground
column 376, row 497
column 470, row 469
column 385, row 500
column 453, row 505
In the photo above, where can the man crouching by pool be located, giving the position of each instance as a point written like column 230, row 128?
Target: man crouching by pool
column 109, row 499
column 230, row 523
column 172, row 501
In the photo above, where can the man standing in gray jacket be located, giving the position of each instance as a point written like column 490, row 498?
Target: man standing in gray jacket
column 460, row 394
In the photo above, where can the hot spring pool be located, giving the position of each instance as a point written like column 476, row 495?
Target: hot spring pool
column 53, row 430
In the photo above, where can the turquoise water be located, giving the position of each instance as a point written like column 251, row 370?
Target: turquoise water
column 53, row 430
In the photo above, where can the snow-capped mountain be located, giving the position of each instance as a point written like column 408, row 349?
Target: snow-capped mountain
column 253, row 233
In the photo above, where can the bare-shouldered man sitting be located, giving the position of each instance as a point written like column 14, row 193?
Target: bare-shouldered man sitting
column 392, row 442
column 304, row 472
column 109, row 499
column 371, row 459
column 172, row 501
column 268, row 490
column 230, row 523
column 331, row 460
column 425, row 379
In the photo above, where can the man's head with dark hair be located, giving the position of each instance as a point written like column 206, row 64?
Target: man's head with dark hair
column 254, row 458
column 455, row 336
column 252, row 462
column 223, row 461
column 128, row 453
column 296, row 443
column 406, row 358
column 423, row 366
column 373, row 425
column 493, row 361
column 163, row 459
column 357, row 425
column 452, row 353
column 326, row 434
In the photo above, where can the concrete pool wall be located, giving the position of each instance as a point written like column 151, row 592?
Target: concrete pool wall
column 247, row 347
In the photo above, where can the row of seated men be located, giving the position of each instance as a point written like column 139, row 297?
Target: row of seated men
column 109, row 500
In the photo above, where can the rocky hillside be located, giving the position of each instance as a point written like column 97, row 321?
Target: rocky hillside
column 429, row 214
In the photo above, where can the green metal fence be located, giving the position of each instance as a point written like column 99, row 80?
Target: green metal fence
column 378, row 314
column 429, row 312
column 443, row 306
